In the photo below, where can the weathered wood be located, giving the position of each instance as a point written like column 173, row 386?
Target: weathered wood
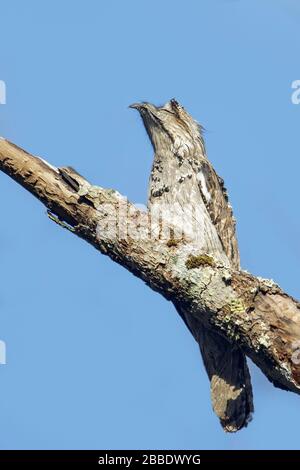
column 250, row 312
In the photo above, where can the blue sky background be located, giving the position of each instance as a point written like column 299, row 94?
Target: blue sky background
column 94, row 358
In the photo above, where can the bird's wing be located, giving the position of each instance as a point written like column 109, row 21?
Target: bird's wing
column 215, row 198
column 212, row 188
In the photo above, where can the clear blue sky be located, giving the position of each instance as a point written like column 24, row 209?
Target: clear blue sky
column 94, row 358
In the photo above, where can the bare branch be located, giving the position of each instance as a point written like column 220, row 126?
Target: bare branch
column 250, row 312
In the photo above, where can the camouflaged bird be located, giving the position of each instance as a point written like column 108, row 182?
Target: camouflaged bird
column 181, row 174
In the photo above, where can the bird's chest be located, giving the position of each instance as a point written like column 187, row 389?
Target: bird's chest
column 173, row 180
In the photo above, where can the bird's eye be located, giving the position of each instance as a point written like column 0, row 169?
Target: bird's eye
column 174, row 103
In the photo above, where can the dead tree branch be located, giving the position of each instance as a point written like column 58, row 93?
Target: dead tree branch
column 251, row 312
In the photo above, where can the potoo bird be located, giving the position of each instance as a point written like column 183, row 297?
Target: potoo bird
column 182, row 177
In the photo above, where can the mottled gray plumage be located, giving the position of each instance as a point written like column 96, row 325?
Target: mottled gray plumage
column 181, row 174
column 181, row 171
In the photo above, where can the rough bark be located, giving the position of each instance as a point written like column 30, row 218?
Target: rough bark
column 250, row 312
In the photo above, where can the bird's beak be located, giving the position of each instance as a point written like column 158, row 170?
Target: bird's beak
column 135, row 106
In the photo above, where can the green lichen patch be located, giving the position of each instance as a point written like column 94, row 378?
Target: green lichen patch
column 199, row 261
column 237, row 306
column 172, row 242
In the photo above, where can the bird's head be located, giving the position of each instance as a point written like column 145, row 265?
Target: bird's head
column 169, row 126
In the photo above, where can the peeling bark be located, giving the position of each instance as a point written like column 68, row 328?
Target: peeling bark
column 250, row 312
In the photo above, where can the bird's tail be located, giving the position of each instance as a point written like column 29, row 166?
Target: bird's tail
column 230, row 383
